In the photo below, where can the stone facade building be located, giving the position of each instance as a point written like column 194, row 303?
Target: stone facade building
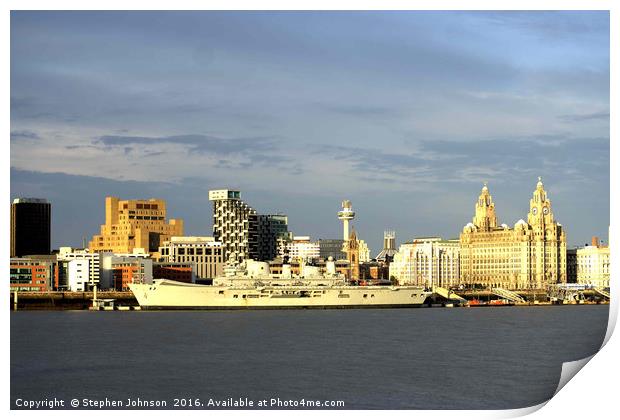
column 427, row 262
column 203, row 252
column 532, row 255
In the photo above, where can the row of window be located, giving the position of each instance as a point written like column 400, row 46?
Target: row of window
column 142, row 206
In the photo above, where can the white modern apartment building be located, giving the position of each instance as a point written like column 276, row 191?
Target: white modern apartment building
column 302, row 248
column 83, row 268
column 427, row 262
column 235, row 225
column 204, row 252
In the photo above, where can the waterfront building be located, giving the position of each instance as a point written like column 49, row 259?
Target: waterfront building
column 571, row 265
column 273, row 235
column 389, row 247
column 32, row 273
column 235, row 225
column 593, row 264
column 119, row 270
column 427, row 262
column 532, row 255
column 133, row 224
column 204, row 252
column 83, row 269
column 78, row 276
column 302, row 248
column 177, row 271
column 332, row 248
column 244, row 233
column 30, row 227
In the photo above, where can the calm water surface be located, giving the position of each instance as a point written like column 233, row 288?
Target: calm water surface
column 423, row 358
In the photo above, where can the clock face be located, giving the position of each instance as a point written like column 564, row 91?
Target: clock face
column 546, row 210
column 534, row 210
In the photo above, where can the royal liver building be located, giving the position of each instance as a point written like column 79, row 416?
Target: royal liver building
column 531, row 255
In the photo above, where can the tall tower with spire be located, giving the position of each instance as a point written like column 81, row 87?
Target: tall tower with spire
column 485, row 218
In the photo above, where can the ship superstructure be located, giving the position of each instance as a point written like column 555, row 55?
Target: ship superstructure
column 250, row 285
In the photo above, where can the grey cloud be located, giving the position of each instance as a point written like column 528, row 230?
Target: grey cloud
column 81, row 146
column 584, row 117
column 446, row 160
column 24, row 134
column 195, row 143
column 360, row 110
column 232, row 153
column 552, row 25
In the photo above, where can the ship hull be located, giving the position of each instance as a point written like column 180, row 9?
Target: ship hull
column 165, row 294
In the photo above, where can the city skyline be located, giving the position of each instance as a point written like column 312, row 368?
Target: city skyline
column 336, row 236
column 289, row 109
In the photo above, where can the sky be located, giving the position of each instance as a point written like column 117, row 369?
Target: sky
column 406, row 114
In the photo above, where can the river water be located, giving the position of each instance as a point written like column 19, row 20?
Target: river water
column 421, row 358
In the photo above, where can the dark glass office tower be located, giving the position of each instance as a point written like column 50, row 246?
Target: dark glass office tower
column 30, row 227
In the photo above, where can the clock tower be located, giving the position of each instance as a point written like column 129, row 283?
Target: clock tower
column 548, row 249
column 540, row 207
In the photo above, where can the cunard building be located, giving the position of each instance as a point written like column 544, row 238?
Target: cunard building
column 531, row 255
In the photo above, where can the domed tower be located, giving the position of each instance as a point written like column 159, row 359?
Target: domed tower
column 485, row 218
column 548, row 240
column 540, row 207
column 346, row 214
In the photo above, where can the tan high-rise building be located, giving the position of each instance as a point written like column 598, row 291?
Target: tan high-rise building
column 133, row 224
column 531, row 255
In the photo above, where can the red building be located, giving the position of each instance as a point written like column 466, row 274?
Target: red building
column 174, row 271
column 124, row 275
column 31, row 275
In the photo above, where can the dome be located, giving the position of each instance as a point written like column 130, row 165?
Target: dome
column 469, row 227
column 504, row 225
column 521, row 222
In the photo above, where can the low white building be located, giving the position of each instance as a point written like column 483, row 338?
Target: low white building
column 79, row 275
column 301, row 247
column 427, row 262
column 83, row 269
column 593, row 265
